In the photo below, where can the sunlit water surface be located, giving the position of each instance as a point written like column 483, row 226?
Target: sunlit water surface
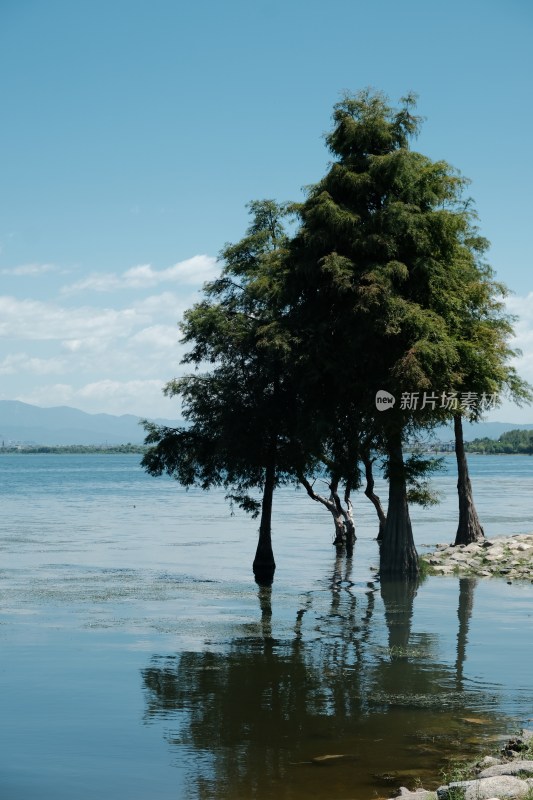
column 139, row 660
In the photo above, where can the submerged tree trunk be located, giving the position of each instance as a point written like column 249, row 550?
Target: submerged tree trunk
column 469, row 528
column 398, row 556
column 338, row 514
column 333, row 505
column 374, row 499
column 347, row 513
column 349, row 523
column 264, row 565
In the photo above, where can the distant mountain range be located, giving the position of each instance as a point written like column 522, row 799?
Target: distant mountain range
column 62, row 425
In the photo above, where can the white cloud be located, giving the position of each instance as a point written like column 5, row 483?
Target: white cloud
column 191, row 272
column 522, row 307
column 166, row 304
column 90, row 344
column 21, row 362
column 110, row 359
column 112, row 389
column 117, row 359
column 29, row 269
column 57, row 394
column 139, row 397
column 194, row 272
column 157, row 336
column 33, row 319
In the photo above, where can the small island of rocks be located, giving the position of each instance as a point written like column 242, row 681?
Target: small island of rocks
column 509, row 557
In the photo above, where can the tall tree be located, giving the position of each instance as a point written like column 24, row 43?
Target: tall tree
column 485, row 373
column 374, row 232
column 381, row 288
column 241, row 420
column 390, row 291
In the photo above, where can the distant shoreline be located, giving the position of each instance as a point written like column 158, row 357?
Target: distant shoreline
column 74, row 449
column 116, row 449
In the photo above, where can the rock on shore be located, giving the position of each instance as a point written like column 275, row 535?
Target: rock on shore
column 509, row 557
column 507, row 778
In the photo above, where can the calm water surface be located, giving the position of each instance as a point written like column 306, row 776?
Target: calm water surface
column 139, row 660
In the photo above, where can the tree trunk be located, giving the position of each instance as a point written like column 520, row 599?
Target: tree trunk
column 398, row 556
column 469, row 528
column 349, row 523
column 264, row 565
column 332, row 506
column 347, row 513
column 369, row 491
column 340, row 531
column 338, row 514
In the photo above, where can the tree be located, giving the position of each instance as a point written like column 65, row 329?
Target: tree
column 241, row 417
column 334, row 448
column 373, row 250
column 382, row 287
column 515, row 441
column 482, row 330
column 389, row 291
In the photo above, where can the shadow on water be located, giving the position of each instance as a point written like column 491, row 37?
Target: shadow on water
column 353, row 702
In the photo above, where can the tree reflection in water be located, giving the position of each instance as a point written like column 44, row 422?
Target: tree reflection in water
column 249, row 720
column 464, row 613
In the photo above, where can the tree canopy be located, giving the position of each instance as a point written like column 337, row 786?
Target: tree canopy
column 382, row 287
column 243, row 425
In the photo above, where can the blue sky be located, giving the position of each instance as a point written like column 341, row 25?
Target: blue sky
column 133, row 133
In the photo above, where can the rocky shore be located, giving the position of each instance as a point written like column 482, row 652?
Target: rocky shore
column 508, row 777
column 509, row 557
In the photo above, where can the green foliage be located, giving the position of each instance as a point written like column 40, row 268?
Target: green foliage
column 516, row 441
column 241, row 414
column 423, row 494
column 383, row 286
column 387, row 283
column 424, row 569
column 370, row 263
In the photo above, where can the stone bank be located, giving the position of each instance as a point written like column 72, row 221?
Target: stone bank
column 509, row 777
column 509, row 557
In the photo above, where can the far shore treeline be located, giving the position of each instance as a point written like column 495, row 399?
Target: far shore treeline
column 75, row 449
column 518, row 442
column 514, row 442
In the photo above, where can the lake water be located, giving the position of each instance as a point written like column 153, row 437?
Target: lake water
column 139, row 660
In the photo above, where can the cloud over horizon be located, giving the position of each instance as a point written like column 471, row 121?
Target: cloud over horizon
column 116, row 356
column 113, row 357
column 25, row 270
column 191, row 272
column 522, row 307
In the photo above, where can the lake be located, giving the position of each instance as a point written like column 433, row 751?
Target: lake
column 139, row 660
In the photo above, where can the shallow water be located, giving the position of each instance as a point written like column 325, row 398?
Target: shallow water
column 139, row 660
